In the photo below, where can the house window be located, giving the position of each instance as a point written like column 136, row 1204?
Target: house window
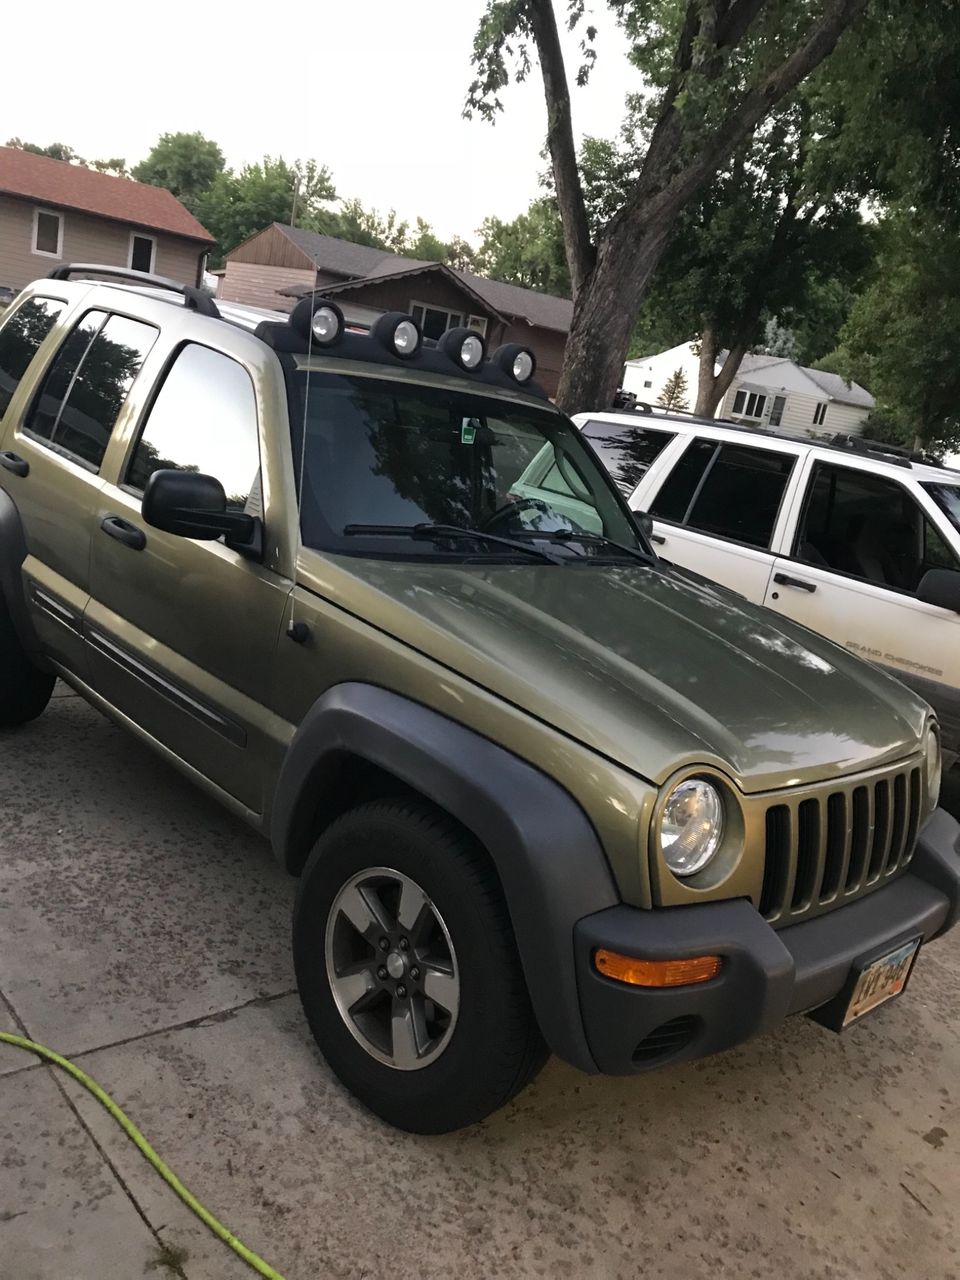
column 142, row 252
column 47, row 233
column 819, row 413
column 776, row 413
column 749, row 404
column 478, row 323
column 435, row 321
column 647, row 384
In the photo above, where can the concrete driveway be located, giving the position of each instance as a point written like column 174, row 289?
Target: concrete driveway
column 146, row 934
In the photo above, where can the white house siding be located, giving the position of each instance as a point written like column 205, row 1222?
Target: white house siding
column 801, row 402
column 256, row 285
column 658, row 369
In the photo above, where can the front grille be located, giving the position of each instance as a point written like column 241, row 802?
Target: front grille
column 827, row 848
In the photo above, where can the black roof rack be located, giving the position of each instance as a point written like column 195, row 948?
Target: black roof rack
column 193, row 297
column 899, row 455
column 896, row 455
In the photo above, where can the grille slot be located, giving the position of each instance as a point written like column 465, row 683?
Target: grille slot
column 670, row 1037
column 831, row 847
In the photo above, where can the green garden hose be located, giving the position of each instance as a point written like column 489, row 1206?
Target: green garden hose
column 135, row 1136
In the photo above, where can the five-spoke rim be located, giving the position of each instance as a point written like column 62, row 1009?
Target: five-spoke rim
column 392, row 968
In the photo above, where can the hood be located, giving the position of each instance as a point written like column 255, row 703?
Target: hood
column 655, row 667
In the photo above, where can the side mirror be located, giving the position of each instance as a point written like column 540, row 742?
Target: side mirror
column 940, row 587
column 195, row 506
column 645, row 522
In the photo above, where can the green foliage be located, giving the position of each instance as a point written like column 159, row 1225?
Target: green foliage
column 239, row 204
column 55, row 150
column 675, row 391
column 900, row 339
column 187, row 164
column 527, row 251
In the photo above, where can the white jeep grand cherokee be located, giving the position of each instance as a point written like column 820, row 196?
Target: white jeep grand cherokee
column 857, row 541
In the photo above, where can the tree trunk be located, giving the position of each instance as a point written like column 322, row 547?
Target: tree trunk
column 712, row 388
column 604, row 319
column 560, row 143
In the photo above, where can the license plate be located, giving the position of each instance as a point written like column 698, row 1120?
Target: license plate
column 882, row 980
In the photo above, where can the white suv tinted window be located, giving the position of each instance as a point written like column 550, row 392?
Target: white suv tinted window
column 626, row 449
column 869, row 527
column 204, row 419
column 729, row 490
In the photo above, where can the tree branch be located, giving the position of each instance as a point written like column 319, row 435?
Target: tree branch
column 563, row 153
column 757, row 102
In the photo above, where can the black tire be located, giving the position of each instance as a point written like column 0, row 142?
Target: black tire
column 495, row 1047
column 24, row 689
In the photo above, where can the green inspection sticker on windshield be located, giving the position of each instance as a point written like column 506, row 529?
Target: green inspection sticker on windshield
column 468, row 432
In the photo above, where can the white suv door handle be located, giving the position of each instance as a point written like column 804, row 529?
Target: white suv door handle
column 785, row 580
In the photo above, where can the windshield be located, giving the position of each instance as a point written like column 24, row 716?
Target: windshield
column 383, row 459
column 947, row 498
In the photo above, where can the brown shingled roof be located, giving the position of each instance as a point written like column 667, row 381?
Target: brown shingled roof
column 361, row 263
column 72, row 186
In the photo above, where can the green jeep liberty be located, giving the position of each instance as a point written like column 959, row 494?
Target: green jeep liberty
column 543, row 790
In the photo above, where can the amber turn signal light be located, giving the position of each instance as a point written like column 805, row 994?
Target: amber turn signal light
column 656, row 973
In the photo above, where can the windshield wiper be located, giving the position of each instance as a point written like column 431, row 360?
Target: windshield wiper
column 433, row 532
column 569, row 535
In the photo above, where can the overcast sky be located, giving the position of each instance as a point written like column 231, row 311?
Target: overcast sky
column 373, row 89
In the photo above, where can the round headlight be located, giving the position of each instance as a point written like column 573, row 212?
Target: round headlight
column 934, row 767
column 326, row 325
column 523, row 366
column 691, row 826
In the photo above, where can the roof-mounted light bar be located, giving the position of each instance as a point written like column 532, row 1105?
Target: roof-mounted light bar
column 316, row 324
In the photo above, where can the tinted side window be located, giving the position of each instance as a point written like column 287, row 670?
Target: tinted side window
column 675, row 494
column 626, row 451
column 20, row 340
column 203, row 419
column 87, row 384
column 741, row 496
column 868, row 527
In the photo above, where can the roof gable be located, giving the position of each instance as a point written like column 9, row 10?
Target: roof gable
column 365, row 262
column 101, row 195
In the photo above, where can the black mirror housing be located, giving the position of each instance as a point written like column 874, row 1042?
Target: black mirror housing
column 940, row 587
column 192, row 505
column 645, row 521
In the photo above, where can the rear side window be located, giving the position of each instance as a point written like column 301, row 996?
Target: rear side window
column 676, row 492
column 870, row 527
column 741, row 495
column 203, row 419
column 87, row 384
column 626, row 451
column 20, row 339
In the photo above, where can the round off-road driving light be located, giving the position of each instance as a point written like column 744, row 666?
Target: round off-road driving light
column 398, row 333
column 327, row 323
column 464, row 347
column 518, row 363
column 691, row 826
column 523, row 366
column 319, row 321
column 934, row 767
